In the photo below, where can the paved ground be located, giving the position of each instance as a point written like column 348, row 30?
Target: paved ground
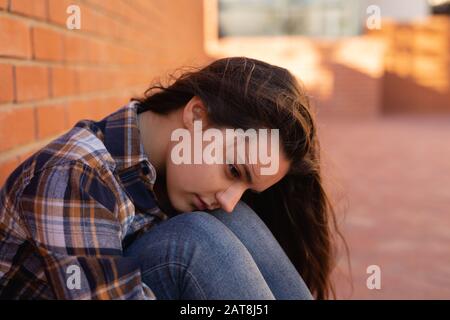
column 391, row 178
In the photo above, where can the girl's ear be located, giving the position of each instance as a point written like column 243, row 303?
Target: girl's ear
column 194, row 110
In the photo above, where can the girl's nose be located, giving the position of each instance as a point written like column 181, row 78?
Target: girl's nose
column 229, row 198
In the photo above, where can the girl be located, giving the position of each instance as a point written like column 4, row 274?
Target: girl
column 105, row 211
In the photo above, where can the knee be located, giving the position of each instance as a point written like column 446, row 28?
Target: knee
column 241, row 216
column 196, row 239
column 241, row 208
column 199, row 224
column 202, row 229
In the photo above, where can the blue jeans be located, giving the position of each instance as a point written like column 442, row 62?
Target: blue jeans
column 216, row 256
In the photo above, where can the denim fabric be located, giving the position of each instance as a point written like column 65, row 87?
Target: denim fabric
column 215, row 256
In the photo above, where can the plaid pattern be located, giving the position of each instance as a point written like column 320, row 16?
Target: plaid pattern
column 68, row 212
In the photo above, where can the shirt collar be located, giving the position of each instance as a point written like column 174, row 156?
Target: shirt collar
column 123, row 141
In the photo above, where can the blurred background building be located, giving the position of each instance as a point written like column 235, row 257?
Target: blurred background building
column 312, row 18
column 380, row 89
column 410, row 47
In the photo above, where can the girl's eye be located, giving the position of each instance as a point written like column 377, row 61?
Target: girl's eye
column 234, row 172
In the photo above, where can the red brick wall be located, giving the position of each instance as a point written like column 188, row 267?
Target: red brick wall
column 51, row 77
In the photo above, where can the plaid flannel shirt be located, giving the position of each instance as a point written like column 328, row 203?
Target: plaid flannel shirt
column 71, row 209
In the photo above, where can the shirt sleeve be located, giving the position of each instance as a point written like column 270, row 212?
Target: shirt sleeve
column 72, row 218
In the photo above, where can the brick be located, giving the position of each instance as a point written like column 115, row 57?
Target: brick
column 14, row 38
column 57, row 10
column 75, row 49
column 78, row 110
column 50, row 120
column 17, row 127
column 63, row 81
column 94, row 109
column 93, row 79
column 97, row 51
column 3, row 4
column 116, row 7
column 6, row 83
column 93, row 21
column 31, row 83
column 109, row 105
column 47, row 44
column 34, row 8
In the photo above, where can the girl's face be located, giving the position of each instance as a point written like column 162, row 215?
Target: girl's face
column 217, row 185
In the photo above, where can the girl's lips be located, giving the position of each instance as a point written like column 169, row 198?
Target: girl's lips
column 200, row 204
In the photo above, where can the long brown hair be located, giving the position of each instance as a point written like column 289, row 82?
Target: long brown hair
column 245, row 93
